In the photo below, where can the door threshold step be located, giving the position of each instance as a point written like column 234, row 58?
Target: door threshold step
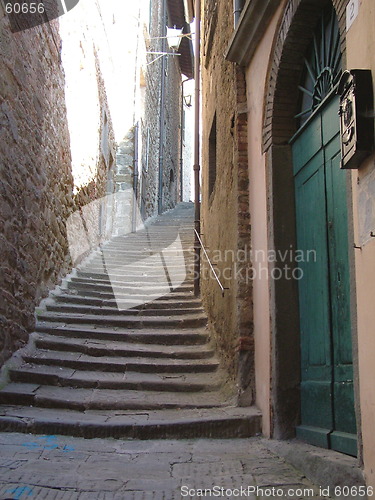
column 224, row 423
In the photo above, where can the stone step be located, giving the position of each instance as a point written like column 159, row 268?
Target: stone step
column 124, row 276
column 120, row 364
column 138, row 281
column 143, row 263
column 145, row 256
column 225, row 422
column 183, row 337
column 81, row 399
column 143, row 246
column 127, row 281
column 109, row 294
column 103, row 347
column 190, row 303
column 141, row 249
column 68, row 377
column 139, row 321
column 122, row 310
column 129, row 288
column 103, row 276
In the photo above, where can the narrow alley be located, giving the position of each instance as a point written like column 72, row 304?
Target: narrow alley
column 122, row 350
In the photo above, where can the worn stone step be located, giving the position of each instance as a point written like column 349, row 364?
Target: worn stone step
column 185, row 337
column 139, row 321
column 122, row 277
column 121, row 311
column 157, row 258
column 68, row 377
column 136, row 297
column 103, row 347
column 190, row 303
column 143, row 253
column 141, row 247
column 221, row 423
column 81, row 399
column 144, row 249
column 129, row 265
column 103, row 276
column 140, row 282
column 120, row 364
column 128, row 288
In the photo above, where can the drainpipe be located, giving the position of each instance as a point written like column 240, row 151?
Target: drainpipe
column 197, row 223
column 238, row 6
column 162, row 108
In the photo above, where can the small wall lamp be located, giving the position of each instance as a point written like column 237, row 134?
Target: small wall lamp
column 187, row 100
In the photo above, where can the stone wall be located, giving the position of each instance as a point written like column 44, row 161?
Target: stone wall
column 36, row 182
column 225, row 203
column 161, row 122
column 172, row 150
column 40, row 190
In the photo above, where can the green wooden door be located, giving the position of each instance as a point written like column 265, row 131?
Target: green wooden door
column 327, row 402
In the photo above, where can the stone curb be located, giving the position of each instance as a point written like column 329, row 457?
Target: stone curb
column 326, row 468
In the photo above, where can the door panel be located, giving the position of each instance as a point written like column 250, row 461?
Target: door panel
column 316, row 373
column 343, row 393
column 327, row 401
column 314, row 296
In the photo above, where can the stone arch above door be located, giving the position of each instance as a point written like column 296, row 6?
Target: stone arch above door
column 286, row 66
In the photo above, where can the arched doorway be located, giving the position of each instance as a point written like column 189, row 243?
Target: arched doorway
column 312, row 351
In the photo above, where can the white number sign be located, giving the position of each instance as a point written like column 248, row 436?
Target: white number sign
column 351, row 12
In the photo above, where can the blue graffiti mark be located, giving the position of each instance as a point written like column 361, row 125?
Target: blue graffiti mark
column 48, row 443
column 31, row 445
column 68, row 448
column 20, row 491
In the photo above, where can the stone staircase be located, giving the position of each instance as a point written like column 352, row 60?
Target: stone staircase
column 122, row 349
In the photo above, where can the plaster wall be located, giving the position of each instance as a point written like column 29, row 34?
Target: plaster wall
column 360, row 55
column 256, row 74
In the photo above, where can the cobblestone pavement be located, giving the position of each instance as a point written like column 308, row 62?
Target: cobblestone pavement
column 66, row 468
